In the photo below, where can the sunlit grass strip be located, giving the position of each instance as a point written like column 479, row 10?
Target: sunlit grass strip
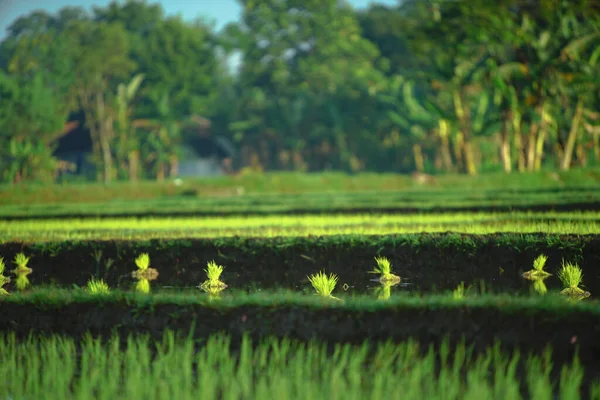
column 45, row 231
column 271, row 369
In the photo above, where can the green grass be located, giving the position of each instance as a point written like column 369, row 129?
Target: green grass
column 579, row 223
column 97, row 287
column 271, row 369
column 290, row 182
column 54, row 298
column 287, row 192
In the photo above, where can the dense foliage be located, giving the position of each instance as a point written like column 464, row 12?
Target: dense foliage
column 432, row 86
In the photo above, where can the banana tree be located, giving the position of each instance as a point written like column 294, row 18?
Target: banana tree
column 128, row 144
column 163, row 137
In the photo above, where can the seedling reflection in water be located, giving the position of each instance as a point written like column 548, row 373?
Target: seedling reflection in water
column 571, row 277
column 384, row 291
column 3, row 279
column 538, row 269
column 144, row 271
column 22, row 280
column 213, row 285
column 384, row 269
column 142, row 285
column 97, row 287
column 324, row 284
column 539, row 286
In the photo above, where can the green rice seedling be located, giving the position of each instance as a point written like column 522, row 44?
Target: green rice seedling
column 571, row 277
column 324, row 284
column 213, row 283
column 270, row 368
column 97, row 287
column 21, row 261
column 459, row 292
column 143, row 261
column 144, row 271
column 142, row 285
column 384, row 269
column 538, row 269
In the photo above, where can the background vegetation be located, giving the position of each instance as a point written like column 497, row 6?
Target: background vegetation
column 432, row 86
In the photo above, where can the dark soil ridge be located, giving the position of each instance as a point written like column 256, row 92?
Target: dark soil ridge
column 560, row 207
column 427, row 261
column 527, row 330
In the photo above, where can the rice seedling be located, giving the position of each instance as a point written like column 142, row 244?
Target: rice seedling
column 538, row 269
column 144, row 271
column 97, row 287
column 323, row 284
column 213, row 284
column 21, row 261
column 571, row 277
column 130, row 367
column 384, row 269
column 459, row 292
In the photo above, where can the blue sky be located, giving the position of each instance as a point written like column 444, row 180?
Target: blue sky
column 221, row 11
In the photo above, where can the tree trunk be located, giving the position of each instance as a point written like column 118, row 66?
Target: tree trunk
column 531, row 146
column 469, row 158
column 418, row 153
column 444, row 132
column 105, row 131
column 539, row 146
column 458, row 153
column 134, row 163
column 571, row 140
column 464, row 119
column 505, row 148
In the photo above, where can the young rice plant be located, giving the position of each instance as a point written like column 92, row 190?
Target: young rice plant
column 571, row 277
column 213, row 284
column 384, row 269
column 538, row 269
column 97, row 287
column 323, row 284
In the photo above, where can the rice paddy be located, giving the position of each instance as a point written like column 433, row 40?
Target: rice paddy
column 338, row 290
column 273, row 369
column 577, row 223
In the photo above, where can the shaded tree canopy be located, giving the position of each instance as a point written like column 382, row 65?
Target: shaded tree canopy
column 431, row 85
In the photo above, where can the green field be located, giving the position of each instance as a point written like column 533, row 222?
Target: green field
column 275, row 369
column 269, row 238
column 128, row 228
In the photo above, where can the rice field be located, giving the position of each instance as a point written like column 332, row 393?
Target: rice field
column 60, row 368
column 481, row 223
column 254, row 236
